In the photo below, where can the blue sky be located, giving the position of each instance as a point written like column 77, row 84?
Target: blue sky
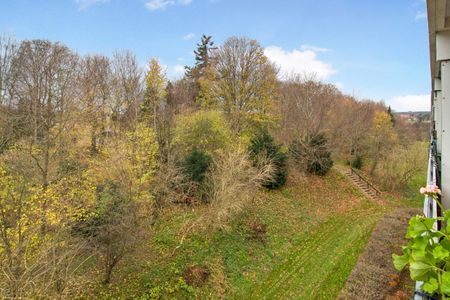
column 370, row 49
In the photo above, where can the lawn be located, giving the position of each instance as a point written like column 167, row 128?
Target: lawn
column 315, row 230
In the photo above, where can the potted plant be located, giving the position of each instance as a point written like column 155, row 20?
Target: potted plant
column 427, row 253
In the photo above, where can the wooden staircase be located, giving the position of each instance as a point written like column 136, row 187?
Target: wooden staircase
column 362, row 183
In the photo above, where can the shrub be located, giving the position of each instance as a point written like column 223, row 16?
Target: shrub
column 357, row 163
column 257, row 230
column 112, row 229
column 204, row 130
column 196, row 164
column 401, row 165
column 196, row 275
column 231, row 184
column 263, row 148
column 312, row 154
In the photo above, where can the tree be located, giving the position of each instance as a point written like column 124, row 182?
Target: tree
column 263, row 149
column 155, row 92
column 389, row 111
column 196, row 164
column 312, row 154
column 245, row 85
column 126, row 91
column 112, row 229
column 305, row 106
column 45, row 88
column 32, row 262
column 204, row 130
column 9, row 131
column 124, row 199
column 382, row 138
column 95, row 90
column 202, row 58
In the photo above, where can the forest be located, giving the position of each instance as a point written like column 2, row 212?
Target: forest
column 110, row 173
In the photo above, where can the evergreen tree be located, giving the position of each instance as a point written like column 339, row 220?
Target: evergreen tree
column 312, row 154
column 264, row 144
column 389, row 111
column 202, row 58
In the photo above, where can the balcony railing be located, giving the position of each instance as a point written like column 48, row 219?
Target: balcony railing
column 430, row 208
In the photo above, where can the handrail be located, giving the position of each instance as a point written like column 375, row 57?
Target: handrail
column 430, row 207
column 353, row 171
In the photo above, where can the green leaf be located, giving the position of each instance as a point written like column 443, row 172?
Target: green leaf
column 400, row 261
column 445, row 287
column 447, row 215
column 419, row 270
column 419, row 225
column 440, row 253
column 419, row 246
column 430, row 286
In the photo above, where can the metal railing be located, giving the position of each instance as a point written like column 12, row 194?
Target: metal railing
column 430, row 207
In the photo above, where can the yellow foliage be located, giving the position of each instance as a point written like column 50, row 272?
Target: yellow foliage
column 129, row 160
column 203, row 130
column 383, row 129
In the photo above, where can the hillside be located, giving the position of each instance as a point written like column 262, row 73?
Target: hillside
column 314, row 236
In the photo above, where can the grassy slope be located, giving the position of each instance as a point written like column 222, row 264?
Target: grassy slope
column 316, row 228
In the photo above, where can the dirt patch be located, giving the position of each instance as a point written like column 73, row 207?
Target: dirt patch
column 257, row 230
column 374, row 276
column 196, row 275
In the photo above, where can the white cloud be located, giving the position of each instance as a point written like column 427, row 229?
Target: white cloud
column 158, row 4
column 314, row 48
column 188, row 36
column 163, row 4
column 82, row 4
column 174, row 71
column 299, row 62
column 420, row 15
column 406, row 103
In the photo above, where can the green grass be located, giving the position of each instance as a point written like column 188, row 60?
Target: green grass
column 316, row 229
column 320, row 265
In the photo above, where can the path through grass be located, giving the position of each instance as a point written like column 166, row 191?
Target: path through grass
column 319, row 266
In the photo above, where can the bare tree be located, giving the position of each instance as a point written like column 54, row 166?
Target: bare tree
column 45, row 92
column 8, row 117
column 305, row 105
column 127, row 88
column 94, row 85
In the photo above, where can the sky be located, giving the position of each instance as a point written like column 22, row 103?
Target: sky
column 369, row 49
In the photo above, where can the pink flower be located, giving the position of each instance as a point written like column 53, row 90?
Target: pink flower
column 430, row 190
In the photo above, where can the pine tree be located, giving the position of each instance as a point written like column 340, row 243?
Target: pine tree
column 389, row 111
column 202, row 58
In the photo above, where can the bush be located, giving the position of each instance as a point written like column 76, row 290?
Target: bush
column 401, row 166
column 112, row 229
column 231, row 184
column 204, row 130
column 312, row 154
column 263, row 147
column 196, row 165
column 357, row 163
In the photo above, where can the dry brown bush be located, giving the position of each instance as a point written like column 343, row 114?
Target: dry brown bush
column 257, row 230
column 231, row 185
column 401, row 165
column 196, row 275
